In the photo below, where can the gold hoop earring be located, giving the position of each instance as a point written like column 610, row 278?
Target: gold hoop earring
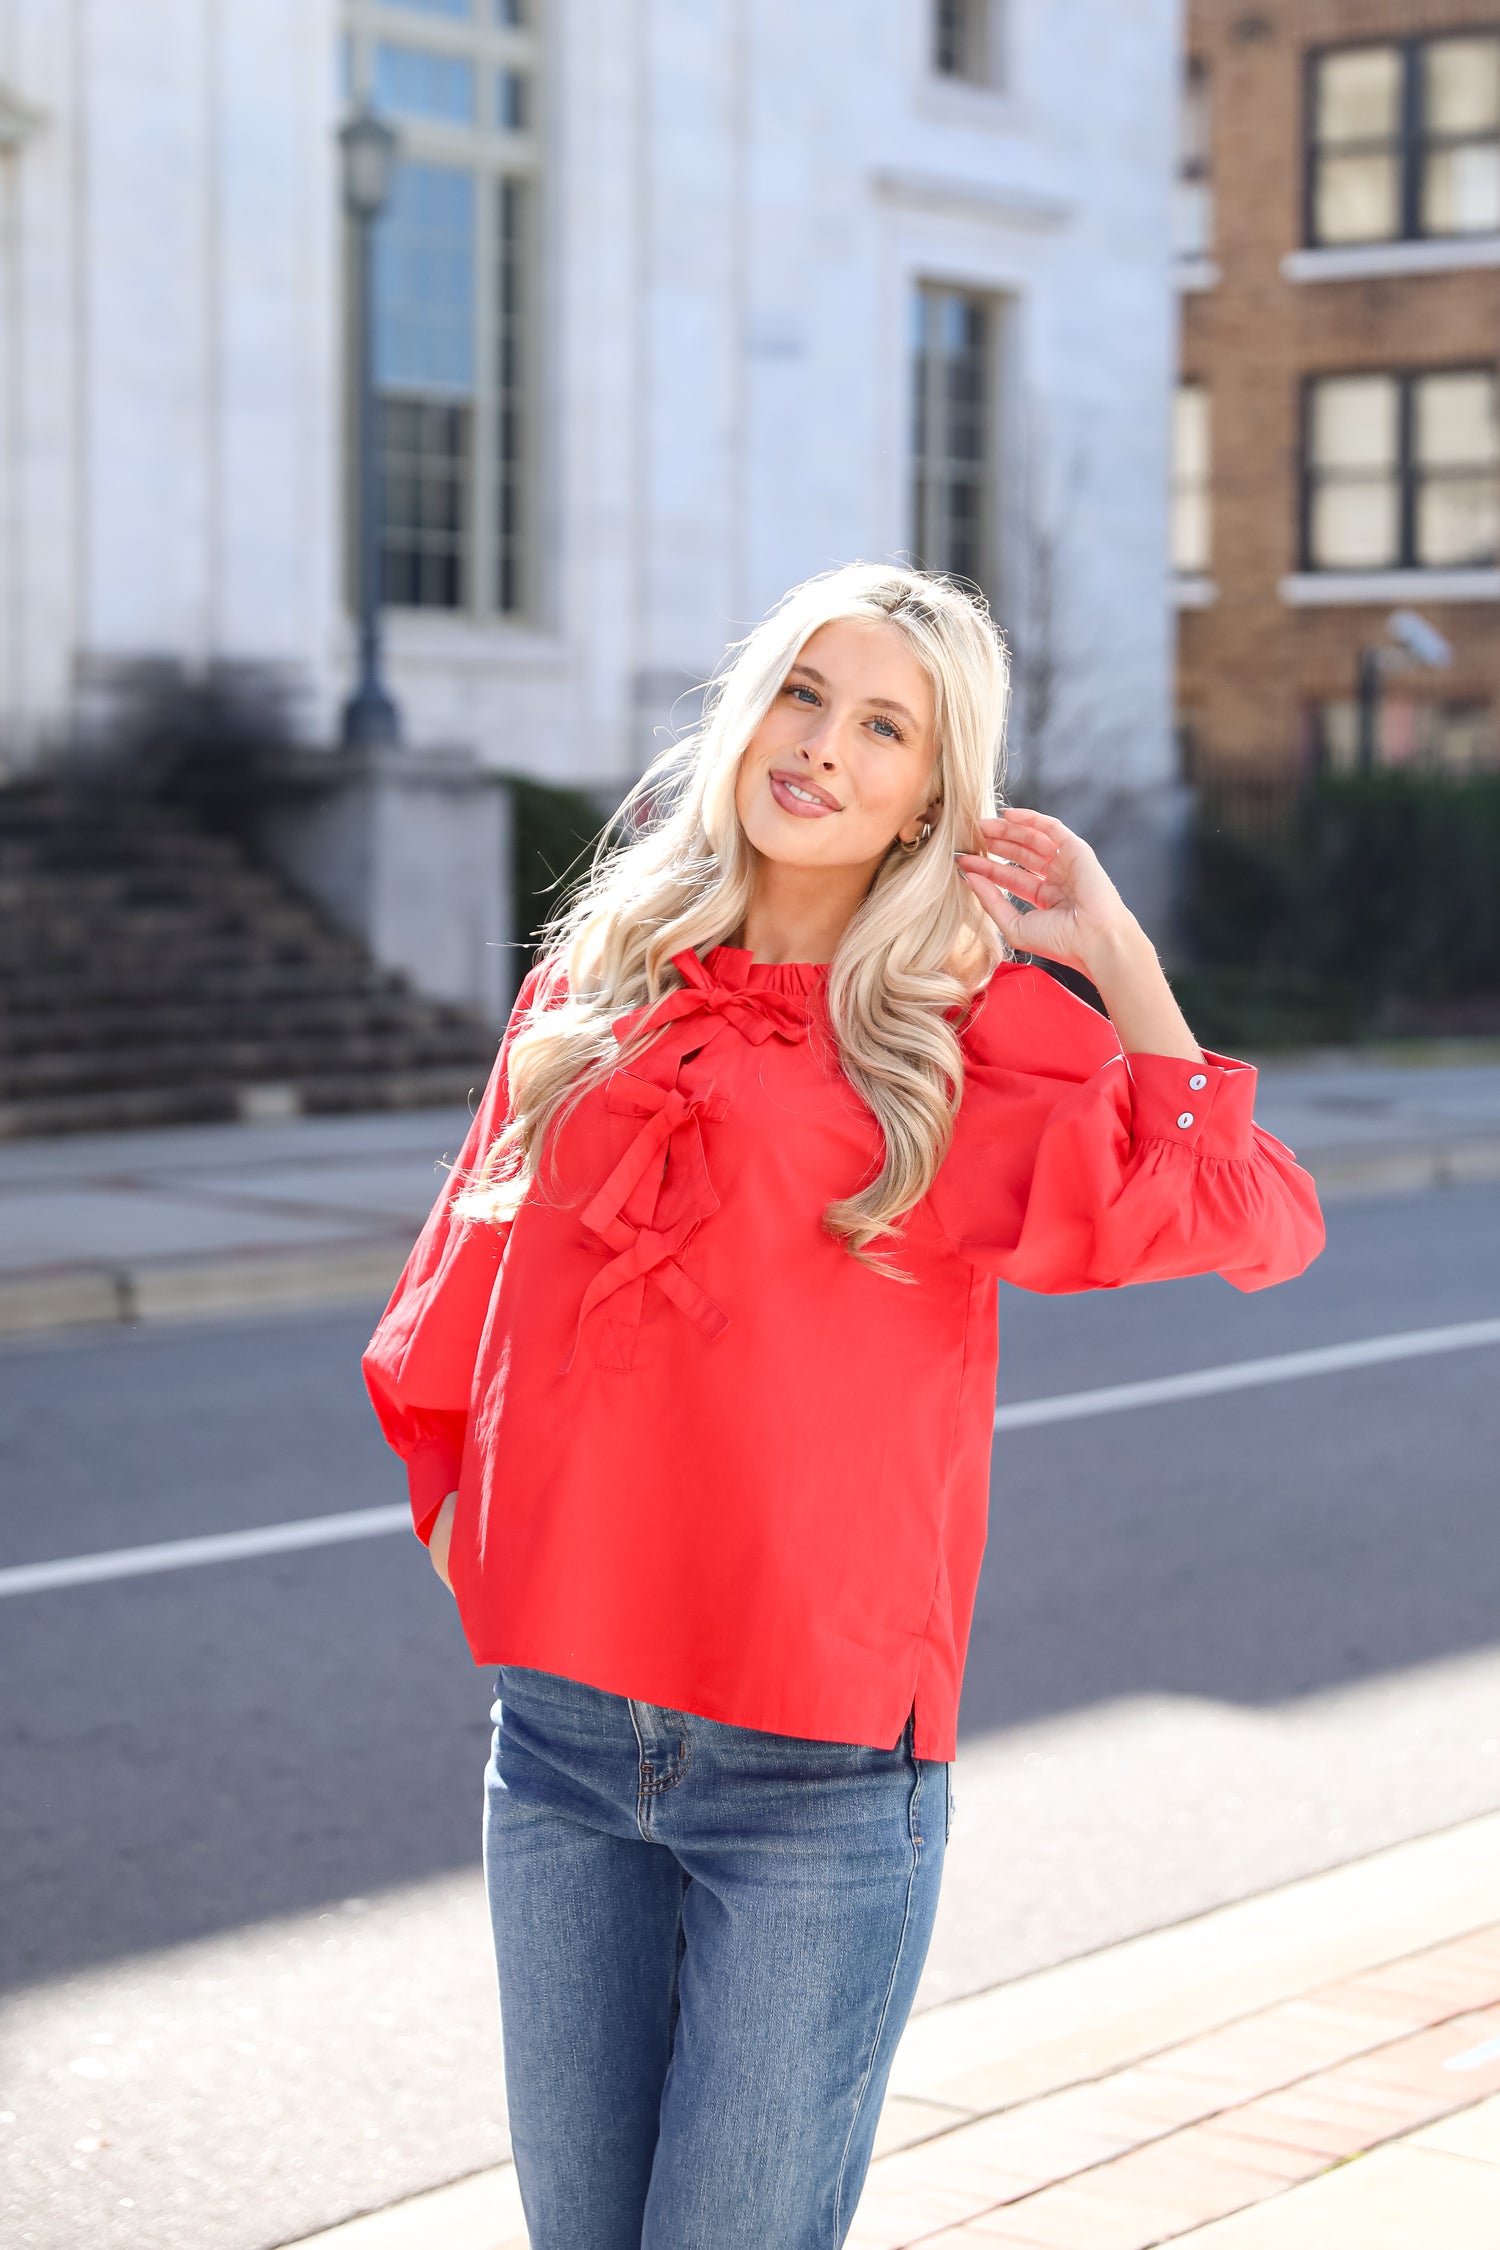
column 917, row 841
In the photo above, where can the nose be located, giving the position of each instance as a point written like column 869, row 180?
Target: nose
column 815, row 749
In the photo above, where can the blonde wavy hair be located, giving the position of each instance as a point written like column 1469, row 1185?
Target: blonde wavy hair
column 674, row 869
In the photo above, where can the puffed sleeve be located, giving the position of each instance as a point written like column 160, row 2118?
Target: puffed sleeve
column 419, row 1364
column 1074, row 1166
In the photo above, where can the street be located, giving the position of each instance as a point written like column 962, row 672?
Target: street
column 1219, row 1642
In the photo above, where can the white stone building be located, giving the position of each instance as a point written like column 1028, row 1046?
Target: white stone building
column 679, row 301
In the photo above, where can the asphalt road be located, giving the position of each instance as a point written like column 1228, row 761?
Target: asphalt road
column 1219, row 1643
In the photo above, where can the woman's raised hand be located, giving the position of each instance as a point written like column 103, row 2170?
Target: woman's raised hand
column 1075, row 908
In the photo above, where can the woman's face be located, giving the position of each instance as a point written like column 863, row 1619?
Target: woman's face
column 845, row 758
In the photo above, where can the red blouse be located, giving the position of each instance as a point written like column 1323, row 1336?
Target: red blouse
column 705, row 1457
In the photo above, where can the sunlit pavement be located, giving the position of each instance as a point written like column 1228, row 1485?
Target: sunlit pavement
column 1208, row 2086
column 1219, row 1644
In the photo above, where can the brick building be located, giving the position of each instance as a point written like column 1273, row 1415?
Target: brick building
column 1336, row 456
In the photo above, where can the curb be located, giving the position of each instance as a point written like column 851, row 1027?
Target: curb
column 1399, row 1171
column 40, row 1299
column 47, row 1298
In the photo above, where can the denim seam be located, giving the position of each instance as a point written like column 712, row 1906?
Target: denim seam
column 647, row 1784
column 644, row 1767
column 915, row 1832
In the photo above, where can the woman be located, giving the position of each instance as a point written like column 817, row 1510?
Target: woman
column 693, row 1369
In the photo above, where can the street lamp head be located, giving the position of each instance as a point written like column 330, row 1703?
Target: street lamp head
column 1422, row 642
column 370, row 148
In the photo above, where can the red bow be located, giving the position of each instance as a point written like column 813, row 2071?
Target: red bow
column 752, row 1009
column 670, row 1117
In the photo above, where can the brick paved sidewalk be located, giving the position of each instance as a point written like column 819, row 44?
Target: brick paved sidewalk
column 1205, row 2086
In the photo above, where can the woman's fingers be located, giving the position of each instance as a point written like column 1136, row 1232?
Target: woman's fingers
column 1023, row 815
column 1023, row 881
column 1016, row 848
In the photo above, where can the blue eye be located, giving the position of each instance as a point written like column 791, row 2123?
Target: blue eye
column 893, row 733
column 800, row 687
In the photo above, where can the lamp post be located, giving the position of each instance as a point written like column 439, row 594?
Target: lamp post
column 1409, row 641
column 369, row 149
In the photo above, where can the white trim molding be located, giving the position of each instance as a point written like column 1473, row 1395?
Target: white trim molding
column 1196, row 273
column 1317, row 589
column 1371, row 261
column 929, row 191
column 1193, row 589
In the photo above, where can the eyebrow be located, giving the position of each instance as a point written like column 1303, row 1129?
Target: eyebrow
column 876, row 702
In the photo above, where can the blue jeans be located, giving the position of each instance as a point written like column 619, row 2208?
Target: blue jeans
column 708, row 1940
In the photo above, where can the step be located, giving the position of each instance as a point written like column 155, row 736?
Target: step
column 163, row 1022
column 128, row 1108
column 278, row 1059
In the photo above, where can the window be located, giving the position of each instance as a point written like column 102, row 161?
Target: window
column 510, row 392
column 1191, row 519
column 512, row 101
column 1436, row 737
column 454, row 327
column 961, row 40
column 1404, row 140
column 413, row 83
column 1401, row 471
column 1193, row 217
column 425, row 376
column 950, row 436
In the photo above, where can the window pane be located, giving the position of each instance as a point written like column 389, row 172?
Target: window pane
column 1358, row 96
column 951, row 431
column 1355, row 422
column 1457, row 521
column 1355, row 525
column 1193, row 219
column 1456, row 737
column 1193, row 210
column 414, row 83
column 512, row 102
column 424, row 282
column 510, row 399
column 1357, row 198
column 424, row 459
column 1461, row 85
column 1190, row 433
column 1461, row 189
column 958, row 38
column 1190, row 533
column 1455, row 421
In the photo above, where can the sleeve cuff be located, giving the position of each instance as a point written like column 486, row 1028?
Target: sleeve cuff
column 1207, row 1106
column 431, row 1474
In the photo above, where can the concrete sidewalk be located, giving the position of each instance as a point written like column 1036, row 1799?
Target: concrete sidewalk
column 222, row 1218
column 1314, row 2069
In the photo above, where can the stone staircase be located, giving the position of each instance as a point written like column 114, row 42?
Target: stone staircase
column 151, row 973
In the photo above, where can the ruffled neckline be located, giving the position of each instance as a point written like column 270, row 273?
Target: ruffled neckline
column 769, row 976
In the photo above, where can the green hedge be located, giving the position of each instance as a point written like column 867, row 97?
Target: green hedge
column 554, row 836
column 1334, row 918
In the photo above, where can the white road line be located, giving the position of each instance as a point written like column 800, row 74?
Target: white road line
column 1068, row 1406
column 1247, row 1374
column 220, row 1546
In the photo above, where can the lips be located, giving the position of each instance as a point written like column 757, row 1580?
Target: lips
column 785, row 788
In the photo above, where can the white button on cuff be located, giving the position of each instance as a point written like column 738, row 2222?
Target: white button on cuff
column 1197, row 1081
column 1185, row 1119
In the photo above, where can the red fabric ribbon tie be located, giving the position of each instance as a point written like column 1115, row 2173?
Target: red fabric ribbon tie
column 754, row 1010
column 670, row 1135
